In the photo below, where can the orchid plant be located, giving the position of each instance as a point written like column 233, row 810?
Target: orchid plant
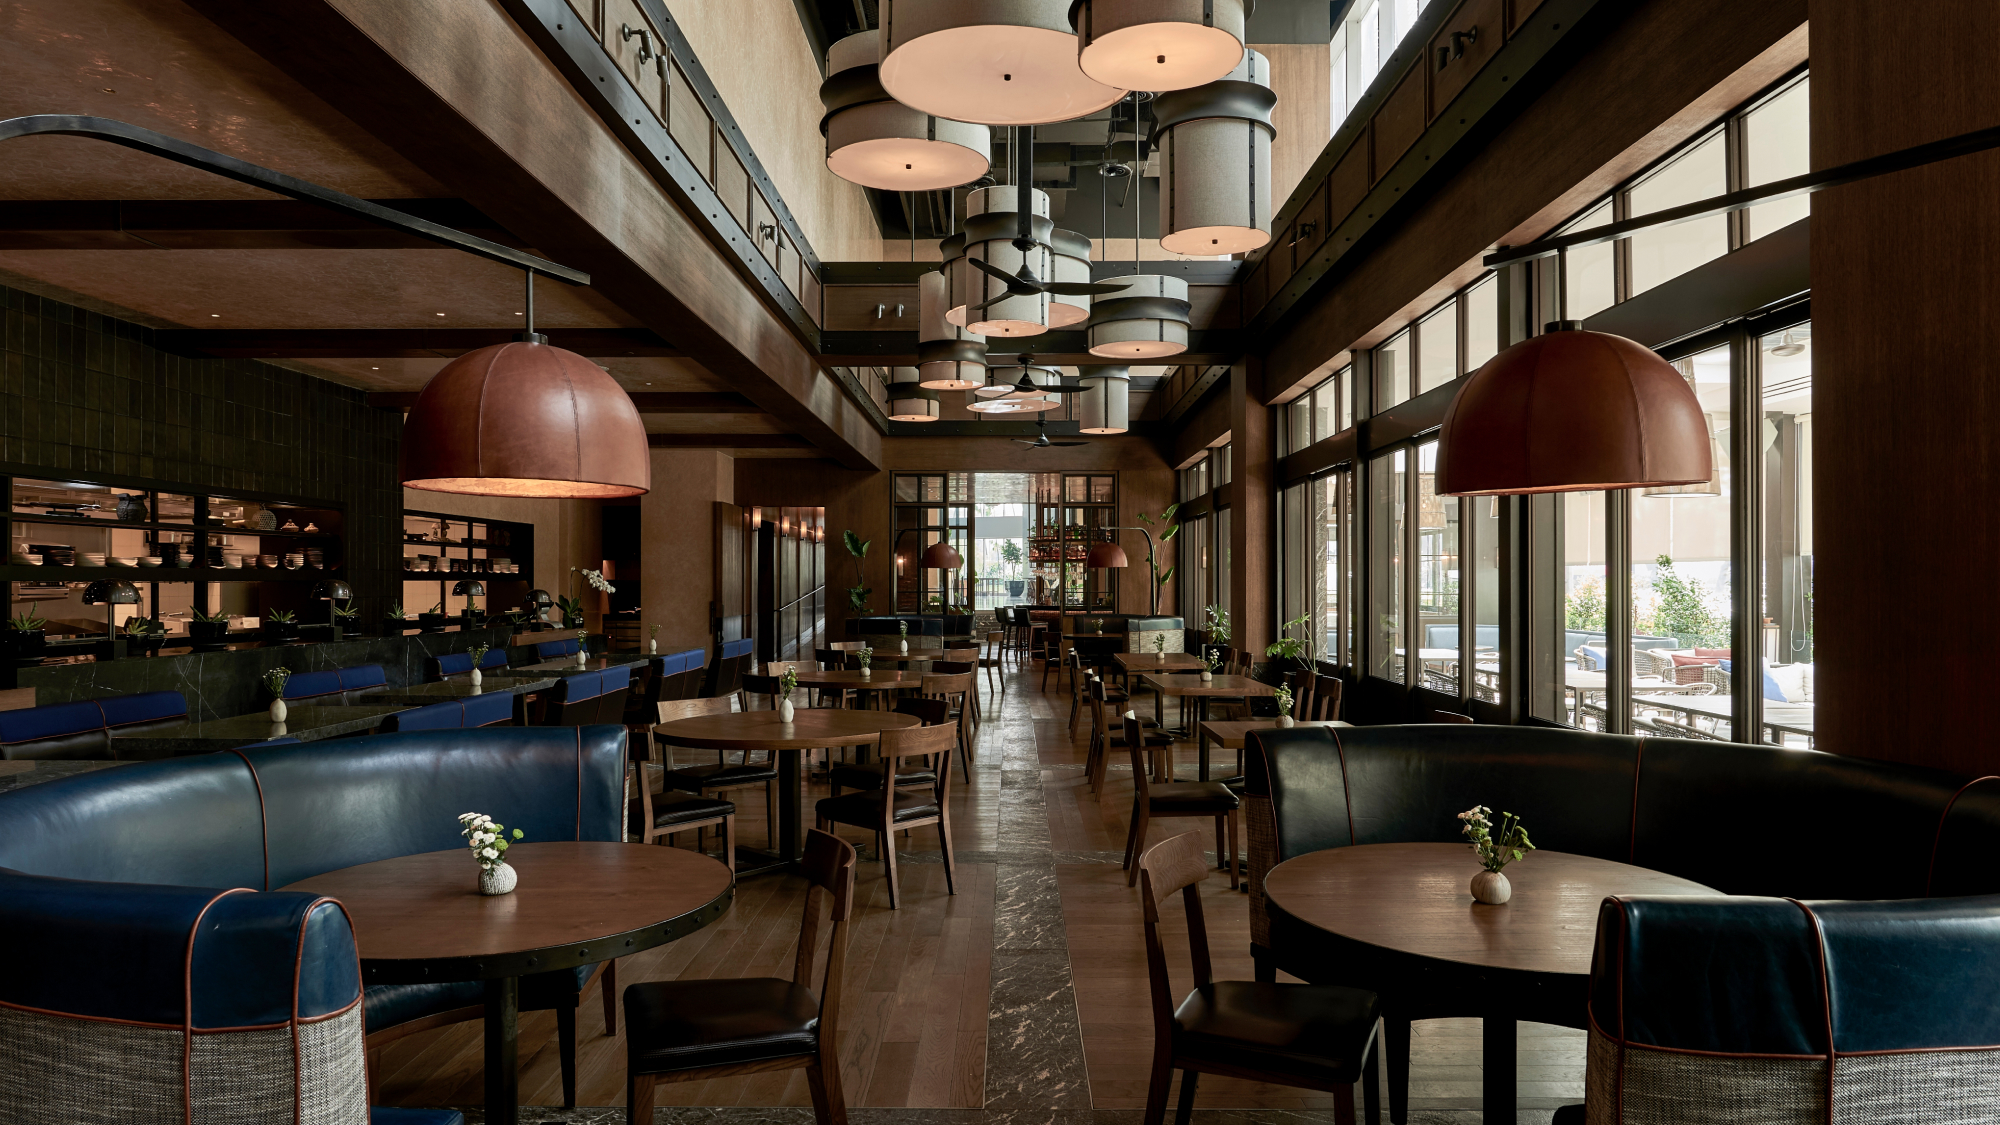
column 1495, row 848
column 487, row 840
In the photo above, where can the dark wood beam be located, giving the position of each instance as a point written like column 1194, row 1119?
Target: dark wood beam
column 392, row 343
column 648, row 402
column 224, row 224
column 727, row 441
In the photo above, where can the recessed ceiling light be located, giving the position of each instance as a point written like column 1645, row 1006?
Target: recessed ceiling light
column 440, row 314
column 516, row 314
column 215, row 314
column 374, row 369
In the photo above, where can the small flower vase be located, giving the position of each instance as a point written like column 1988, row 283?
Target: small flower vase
column 278, row 711
column 652, row 647
column 865, row 670
column 903, row 647
column 1160, row 657
column 784, row 710
column 1207, row 676
column 583, row 658
column 1491, row 888
column 498, row 879
column 475, row 677
column 1286, row 720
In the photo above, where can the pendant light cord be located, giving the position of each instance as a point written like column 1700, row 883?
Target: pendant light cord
column 529, row 335
column 1138, row 186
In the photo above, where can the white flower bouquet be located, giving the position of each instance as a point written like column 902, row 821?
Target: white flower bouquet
column 487, row 839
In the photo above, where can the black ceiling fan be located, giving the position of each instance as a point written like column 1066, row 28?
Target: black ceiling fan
column 1026, row 384
column 1042, row 437
column 1025, row 284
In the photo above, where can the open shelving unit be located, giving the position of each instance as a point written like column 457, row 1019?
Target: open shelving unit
column 498, row 554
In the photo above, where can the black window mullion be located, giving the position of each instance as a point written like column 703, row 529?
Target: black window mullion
column 1746, row 548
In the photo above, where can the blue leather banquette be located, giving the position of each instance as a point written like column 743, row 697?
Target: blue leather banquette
column 81, row 731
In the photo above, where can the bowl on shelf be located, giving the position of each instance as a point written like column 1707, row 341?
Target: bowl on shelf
column 184, row 560
column 268, row 562
column 94, row 558
column 232, row 562
column 124, row 560
column 151, row 560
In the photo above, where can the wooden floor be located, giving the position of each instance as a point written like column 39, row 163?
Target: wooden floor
column 914, row 1024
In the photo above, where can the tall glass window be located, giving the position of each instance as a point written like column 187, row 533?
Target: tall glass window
column 1437, row 348
column 1192, row 555
column 1385, row 570
column 1591, row 272
column 1585, row 605
column 1482, row 322
column 1392, row 372
column 1661, row 253
column 1336, row 50
column 1483, row 656
column 1437, row 578
column 1777, row 145
column 1785, row 395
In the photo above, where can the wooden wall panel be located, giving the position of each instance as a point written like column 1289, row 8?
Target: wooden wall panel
column 689, row 123
column 770, row 243
column 1348, row 182
column 1303, row 118
column 1479, row 18
column 852, row 308
column 1399, row 122
column 586, row 10
column 732, row 184
column 1518, row 12
column 624, row 52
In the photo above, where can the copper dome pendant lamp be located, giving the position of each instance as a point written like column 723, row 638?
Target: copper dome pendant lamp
column 526, row 419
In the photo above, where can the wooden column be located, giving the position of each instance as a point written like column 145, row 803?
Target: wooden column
column 1253, row 576
column 678, row 552
column 1907, row 391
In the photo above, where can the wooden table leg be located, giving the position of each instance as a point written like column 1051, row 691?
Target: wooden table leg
column 1396, row 1044
column 1497, row 1051
column 503, row 1079
column 791, row 792
column 1201, row 717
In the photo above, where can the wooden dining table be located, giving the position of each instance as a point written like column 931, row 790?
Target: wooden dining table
column 877, row 682
column 1190, row 685
column 811, row 728
column 1399, row 920
column 420, row 919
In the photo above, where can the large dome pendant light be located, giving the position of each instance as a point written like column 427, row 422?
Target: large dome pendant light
column 1215, row 162
column 1158, row 44
column 875, row 141
column 909, row 400
column 948, row 357
column 1572, row 411
column 525, row 419
column 1105, row 407
column 996, row 62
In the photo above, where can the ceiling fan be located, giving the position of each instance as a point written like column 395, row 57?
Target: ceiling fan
column 1042, row 438
column 1026, row 385
column 1026, row 284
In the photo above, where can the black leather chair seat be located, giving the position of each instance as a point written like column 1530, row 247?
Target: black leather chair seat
column 683, row 1024
column 1316, row 1032
column 865, row 808
column 709, row 777
column 869, row 776
column 1191, row 797
column 387, row 1005
column 687, row 810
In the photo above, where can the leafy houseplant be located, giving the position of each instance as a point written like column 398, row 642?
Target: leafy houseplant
column 1010, row 554
column 274, row 682
column 1495, row 849
column 478, row 655
column 1216, row 640
column 208, row 628
column 857, row 594
column 26, row 638
column 281, row 624
column 865, row 656
column 1167, row 528
column 1160, row 646
column 489, row 842
column 145, row 634
column 1299, row 650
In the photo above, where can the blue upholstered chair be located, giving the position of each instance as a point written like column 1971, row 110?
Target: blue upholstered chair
column 556, row 650
column 1733, row 1009
column 460, row 664
column 336, row 685
column 81, row 730
column 586, row 698
column 732, row 663
column 488, row 710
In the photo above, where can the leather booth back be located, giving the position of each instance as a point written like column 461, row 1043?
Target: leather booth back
column 725, row 676
column 79, row 731
column 190, row 822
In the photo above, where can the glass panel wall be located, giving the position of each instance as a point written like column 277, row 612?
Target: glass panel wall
column 1785, row 434
column 1662, row 253
column 1585, row 602
column 1387, row 516
column 1437, row 348
column 1392, row 371
column 1776, row 146
column 1484, row 657
column 1437, row 577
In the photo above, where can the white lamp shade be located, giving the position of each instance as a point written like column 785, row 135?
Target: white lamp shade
column 997, row 62
column 1106, row 407
column 1001, row 397
column 909, row 401
column 1072, row 264
column 949, row 358
column 877, row 142
column 1148, row 319
column 991, row 224
column 1159, row 44
column 1215, row 163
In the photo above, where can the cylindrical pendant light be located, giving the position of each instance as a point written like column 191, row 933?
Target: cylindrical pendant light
column 991, row 225
column 909, row 400
column 1106, row 408
column 1572, row 411
column 1072, row 265
column 525, row 419
column 1158, row 44
column 998, row 62
column 875, row 141
column 1215, row 162
column 948, row 357
column 1148, row 319
column 1002, row 395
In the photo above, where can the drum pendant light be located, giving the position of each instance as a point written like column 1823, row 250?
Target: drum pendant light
column 875, row 141
column 1106, row 408
column 1215, row 162
column 525, row 419
column 1072, row 264
column 948, row 357
column 1158, row 44
column 1149, row 320
column 1572, row 411
column 1003, row 394
column 991, row 228
column 995, row 62
column 910, row 401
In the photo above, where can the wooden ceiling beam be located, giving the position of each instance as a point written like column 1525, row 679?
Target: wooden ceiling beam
column 395, row 343
column 224, row 224
column 647, row 402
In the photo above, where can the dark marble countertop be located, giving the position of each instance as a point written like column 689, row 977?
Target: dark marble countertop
column 418, row 695
column 19, row 775
column 567, row 665
column 305, row 722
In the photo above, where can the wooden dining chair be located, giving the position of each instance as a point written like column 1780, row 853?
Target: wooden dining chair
column 691, row 1030
column 990, row 660
column 721, row 777
column 868, row 775
column 886, row 809
column 649, row 821
column 1175, row 798
column 954, row 688
column 1325, row 699
column 1310, row 1036
column 1106, row 735
column 967, row 654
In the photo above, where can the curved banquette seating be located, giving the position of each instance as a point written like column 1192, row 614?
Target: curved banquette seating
column 732, row 663
column 335, row 685
column 1746, row 820
column 102, row 876
column 587, row 698
column 460, row 664
column 491, row 709
column 81, row 731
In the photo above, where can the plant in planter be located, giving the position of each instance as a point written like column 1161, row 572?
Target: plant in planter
column 344, row 614
column 394, row 620
column 478, row 655
column 1496, row 848
column 274, row 682
column 281, row 625
column 25, row 636
column 572, row 607
column 652, row 638
column 865, row 656
column 206, row 628
column 582, row 648
column 434, row 619
column 857, row 594
column 143, row 634
column 1216, row 643
column 1297, row 649
column 1160, row 646
column 1167, row 528
column 1010, row 554
column 488, row 841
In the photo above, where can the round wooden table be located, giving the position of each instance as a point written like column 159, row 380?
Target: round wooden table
column 811, row 728
column 850, row 679
column 1399, row 920
column 420, row 919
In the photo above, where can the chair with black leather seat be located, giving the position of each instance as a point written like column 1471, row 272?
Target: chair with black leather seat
column 955, row 688
column 1106, row 733
column 650, row 821
column 693, row 1030
column 1316, row 1037
column 887, row 808
column 1174, row 798
column 721, row 777
column 868, row 775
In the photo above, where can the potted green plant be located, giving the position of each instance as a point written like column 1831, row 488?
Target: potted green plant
column 281, row 625
column 1496, row 848
column 488, row 842
column 787, row 684
column 857, row 594
column 1010, row 553
column 344, row 614
column 1167, row 528
column 1283, row 697
column 478, row 655
column 433, row 620
column 144, row 635
column 652, row 639
column 394, row 620
column 864, row 657
column 1216, row 643
column 208, row 629
column 26, row 638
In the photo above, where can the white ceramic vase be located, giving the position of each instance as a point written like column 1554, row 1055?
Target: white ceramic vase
column 1207, row 676
column 1491, row 888
column 652, row 647
column 784, row 710
column 865, row 670
column 583, row 658
column 1286, row 720
column 498, row 879
column 476, row 681
column 903, row 647
column 278, row 711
